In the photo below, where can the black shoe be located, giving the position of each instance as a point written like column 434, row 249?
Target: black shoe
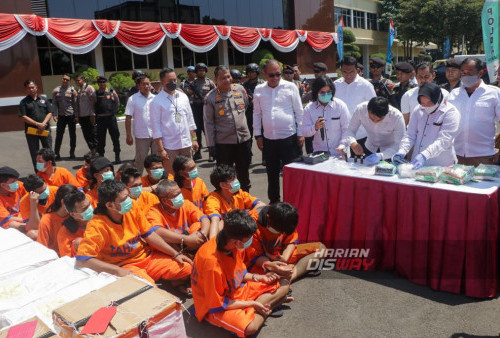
column 72, row 155
column 197, row 156
column 211, row 158
column 117, row 159
column 58, row 157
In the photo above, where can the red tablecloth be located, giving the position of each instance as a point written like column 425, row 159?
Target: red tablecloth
column 444, row 239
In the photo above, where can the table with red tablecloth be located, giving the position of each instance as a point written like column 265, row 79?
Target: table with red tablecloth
column 434, row 234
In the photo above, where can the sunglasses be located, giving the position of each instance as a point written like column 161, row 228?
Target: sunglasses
column 317, row 71
column 65, row 79
column 274, row 75
column 101, row 81
column 288, row 72
column 375, row 66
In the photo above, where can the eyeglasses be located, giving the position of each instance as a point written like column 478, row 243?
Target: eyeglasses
column 274, row 75
column 289, row 72
column 375, row 66
column 316, row 71
column 101, row 81
column 65, row 79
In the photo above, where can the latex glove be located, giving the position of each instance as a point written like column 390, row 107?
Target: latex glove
column 418, row 162
column 398, row 159
column 373, row 159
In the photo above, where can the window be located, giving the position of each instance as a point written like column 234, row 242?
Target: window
column 359, row 19
column 345, row 13
column 184, row 57
column 371, row 21
column 54, row 61
column 118, row 58
column 236, row 58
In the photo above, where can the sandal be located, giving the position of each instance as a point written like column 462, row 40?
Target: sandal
column 277, row 312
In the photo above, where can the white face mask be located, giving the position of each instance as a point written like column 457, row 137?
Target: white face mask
column 430, row 110
column 469, row 80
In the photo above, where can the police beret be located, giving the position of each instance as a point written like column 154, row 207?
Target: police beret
column 454, row 63
column 404, row 67
column 360, row 66
column 8, row 171
column 102, row 78
column 377, row 62
column 100, row 163
column 349, row 61
column 320, row 65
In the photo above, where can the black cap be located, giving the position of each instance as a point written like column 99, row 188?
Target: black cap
column 8, row 171
column 376, row 61
column 100, row 163
column 404, row 67
column 349, row 61
column 360, row 66
column 320, row 65
column 453, row 63
column 235, row 73
column 101, row 79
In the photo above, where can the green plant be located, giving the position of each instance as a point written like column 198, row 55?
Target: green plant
column 90, row 74
column 260, row 55
column 349, row 48
column 152, row 76
column 349, row 36
column 121, row 82
column 378, row 55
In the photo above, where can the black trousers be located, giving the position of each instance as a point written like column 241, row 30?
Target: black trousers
column 197, row 108
column 309, row 144
column 105, row 123
column 278, row 153
column 88, row 131
column 34, row 145
column 62, row 122
column 239, row 155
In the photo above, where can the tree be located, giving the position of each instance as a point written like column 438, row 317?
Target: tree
column 349, row 48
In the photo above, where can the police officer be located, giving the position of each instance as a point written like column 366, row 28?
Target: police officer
column 236, row 76
column 453, row 74
column 226, row 126
column 252, row 81
column 107, row 103
column 201, row 86
column 85, row 111
column 383, row 87
column 64, row 105
column 404, row 72
column 187, row 83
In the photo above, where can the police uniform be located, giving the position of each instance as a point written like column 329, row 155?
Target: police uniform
column 200, row 89
column 64, row 104
column 85, row 109
column 106, row 106
column 226, row 128
column 250, row 88
column 187, row 89
column 382, row 87
column 398, row 92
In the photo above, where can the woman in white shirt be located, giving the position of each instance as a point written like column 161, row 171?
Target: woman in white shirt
column 325, row 117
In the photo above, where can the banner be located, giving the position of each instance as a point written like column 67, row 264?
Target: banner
column 340, row 36
column 446, row 48
column 489, row 19
column 390, row 41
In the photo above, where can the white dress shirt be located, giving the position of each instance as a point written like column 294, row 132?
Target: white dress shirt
column 358, row 91
column 477, row 120
column 337, row 119
column 163, row 109
column 409, row 101
column 383, row 137
column 279, row 110
column 432, row 135
column 138, row 108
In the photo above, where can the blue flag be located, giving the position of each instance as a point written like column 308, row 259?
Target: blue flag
column 340, row 36
column 390, row 41
column 446, row 48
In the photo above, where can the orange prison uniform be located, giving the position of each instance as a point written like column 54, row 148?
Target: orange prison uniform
column 9, row 205
column 61, row 176
column 65, row 240
column 81, row 177
column 122, row 245
column 146, row 200
column 92, row 196
column 197, row 193
column 147, row 183
column 272, row 245
column 48, row 228
column 24, row 204
column 216, row 205
column 218, row 278
column 185, row 221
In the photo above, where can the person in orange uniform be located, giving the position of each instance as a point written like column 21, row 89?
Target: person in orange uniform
column 81, row 174
column 80, row 212
column 35, row 203
column 186, row 226
column 11, row 192
column 119, row 240
column 46, row 169
column 226, row 197
column 155, row 172
column 224, row 293
column 101, row 169
column 276, row 243
column 192, row 186
column 144, row 199
column 51, row 222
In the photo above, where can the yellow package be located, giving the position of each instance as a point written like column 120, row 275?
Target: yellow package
column 37, row 132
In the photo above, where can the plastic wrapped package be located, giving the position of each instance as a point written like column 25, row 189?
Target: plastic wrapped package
column 428, row 174
column 385, row 169
column 405, row 170
column 458, row 174
column 484, row 170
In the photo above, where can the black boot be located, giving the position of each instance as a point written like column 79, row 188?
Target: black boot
column 117, row 158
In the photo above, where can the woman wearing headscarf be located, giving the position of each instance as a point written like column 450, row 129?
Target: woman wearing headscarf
column 431, row 131
column 325, row 117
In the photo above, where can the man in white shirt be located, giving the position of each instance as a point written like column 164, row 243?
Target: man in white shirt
column 479, row 107
column 138, row 109
column 353, row 90
column 278, row 112
column 409, row 101
column 384, row 126
column 172, row 123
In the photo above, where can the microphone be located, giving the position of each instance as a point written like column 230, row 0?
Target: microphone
column 322, row 131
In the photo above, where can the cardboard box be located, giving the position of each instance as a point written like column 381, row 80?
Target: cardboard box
column 41, row 330
column 147, row 306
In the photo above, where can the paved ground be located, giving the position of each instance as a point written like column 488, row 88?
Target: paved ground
column 334, row 304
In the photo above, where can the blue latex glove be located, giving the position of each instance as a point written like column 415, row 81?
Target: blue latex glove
column 373, row 159
column 398, row 159
column 418, row 161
